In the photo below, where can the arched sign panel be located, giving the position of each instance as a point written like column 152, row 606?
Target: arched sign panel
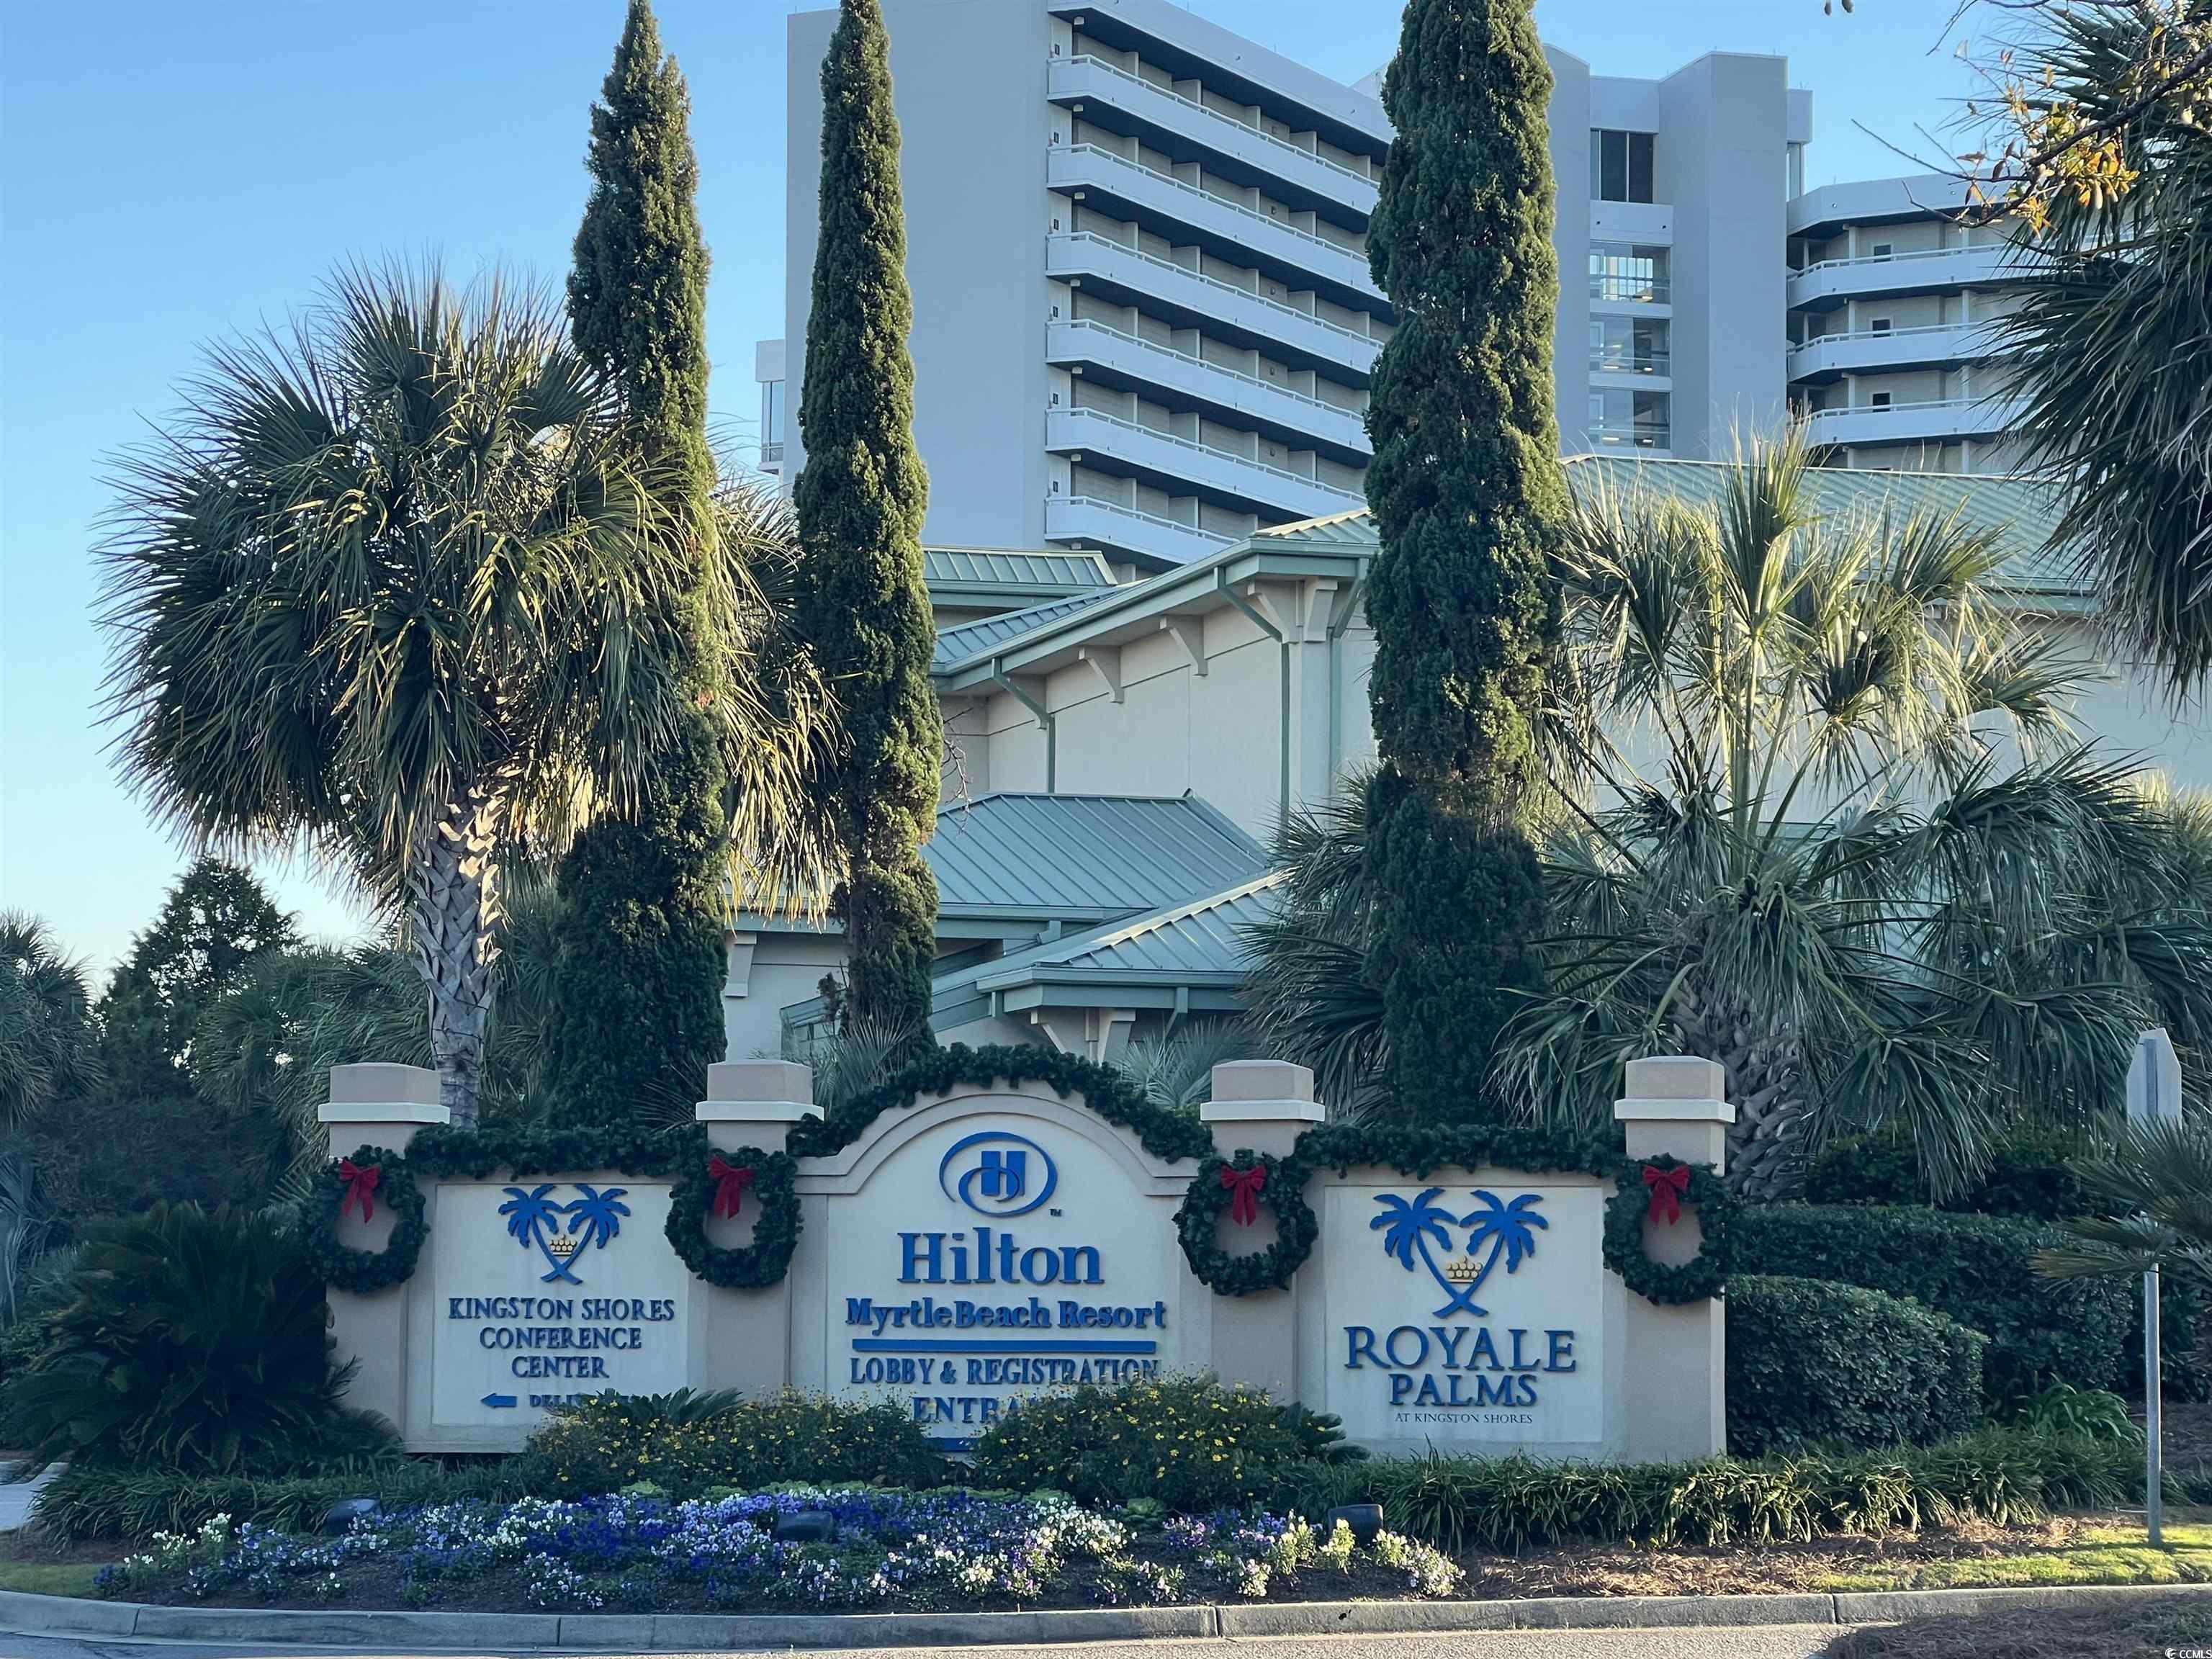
column 983, row 1250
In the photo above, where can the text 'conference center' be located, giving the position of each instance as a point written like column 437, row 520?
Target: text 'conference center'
column 1145, row 324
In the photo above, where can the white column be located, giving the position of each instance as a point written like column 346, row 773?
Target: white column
column 1676, row 1358
column 745, row 1340
column 382, row 1106
column 1264, row 1105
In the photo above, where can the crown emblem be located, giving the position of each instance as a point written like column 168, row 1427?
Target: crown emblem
column 560, row 1247
column 1462, row 1270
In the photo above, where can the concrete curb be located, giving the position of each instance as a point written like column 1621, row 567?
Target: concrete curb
column 23, row 1614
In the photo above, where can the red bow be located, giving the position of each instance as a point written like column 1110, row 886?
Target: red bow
column 361, row 1181
column 1666, row 1187
column 1244, row 1187
column 730, row 1184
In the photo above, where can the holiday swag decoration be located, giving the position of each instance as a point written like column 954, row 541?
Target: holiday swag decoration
column 347, row 1184
column 1655, row 1192
column 1239, row 1185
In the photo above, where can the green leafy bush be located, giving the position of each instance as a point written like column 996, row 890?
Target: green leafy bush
column 2000, row 1476
column 1813, row 1363
column 1978, row 1269
column 89, row 1501
column 193, row 1340
column 1188, row 1442
column 2097, row 1413
column 685, row 1443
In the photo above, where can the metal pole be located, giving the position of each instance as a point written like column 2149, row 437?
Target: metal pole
column 2151, row 1452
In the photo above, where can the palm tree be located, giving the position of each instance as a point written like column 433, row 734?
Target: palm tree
column 1175, row 1071
column 1822, row 820
column 1508, row 1227
column 396, row 585
column 2107, row 340
column 49, row 1041
column 2154, row 1184
column 597, row 1216
column 1408, row 1224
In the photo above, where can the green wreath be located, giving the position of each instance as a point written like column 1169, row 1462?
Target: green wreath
column 1282, row 1189
column 362, row 1272
column 1704, row 1274
column 776, row 1234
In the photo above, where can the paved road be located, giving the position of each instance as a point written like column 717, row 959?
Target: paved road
column 1780, row 1641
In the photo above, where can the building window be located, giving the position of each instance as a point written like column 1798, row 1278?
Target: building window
column 1879, row 326
column 1883, row 251
column 1625, row 419
column 771, row 421
column 1629, row 345
column 1621, row 165
column 1880, row 400
column 1628, row 274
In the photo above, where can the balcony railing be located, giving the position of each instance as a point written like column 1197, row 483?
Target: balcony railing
column 1246, row 296
column 1146, row 532
column 1205, row 452
column 1630, row 437
column 1272, row 388
column 1631, row 290
column 1623, row 362
column 1244, row 127
column 1336, row 251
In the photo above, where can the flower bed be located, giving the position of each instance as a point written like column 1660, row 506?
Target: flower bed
column 888, row 1551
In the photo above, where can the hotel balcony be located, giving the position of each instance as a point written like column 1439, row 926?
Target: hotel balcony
column 1881, row 352
column 1109, row 357
column 1124, row 276
column 1825, row 285
column 1183, row 466
column 1182, row 213
column 1911, row 424
column 1107, row 96
column 1111, row 528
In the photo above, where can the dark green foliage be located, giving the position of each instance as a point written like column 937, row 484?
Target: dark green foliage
column 1470, row 502
column 1812, row 1362
column 112, row 1153
column 90, row 1501
column 2004, row 1477
column 345, row 1266
column 1187, row 1442
column 860, row 496
column 192, row 1339
column 2025, row 1176
column 639, row 975
column 605, row 1444
column 1978, row 1269
column 773, row 1203
column 1230, row 1271
column 1162, row 1132
column 217, row 920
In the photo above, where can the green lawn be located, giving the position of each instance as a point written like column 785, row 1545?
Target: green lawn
column 48, row 1577
column 2106, row 1555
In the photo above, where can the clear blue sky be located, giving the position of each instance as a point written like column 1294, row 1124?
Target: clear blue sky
column 169, row 173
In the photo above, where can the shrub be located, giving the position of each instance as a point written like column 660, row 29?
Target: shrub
column 1812, row 1362
column 195, row 1340
column 1976, row 1268
column 685, row 1443
column 1188, row 1442
column 2000, row 1476
column 2095, row 1413
column 90, row 1501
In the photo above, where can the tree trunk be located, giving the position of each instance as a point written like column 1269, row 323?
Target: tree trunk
column 452, row 906
column 1766, row 1152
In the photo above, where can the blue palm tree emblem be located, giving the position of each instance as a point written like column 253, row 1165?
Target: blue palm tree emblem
column 597, row 1217
column 1411, row 1224
column 534, row 1219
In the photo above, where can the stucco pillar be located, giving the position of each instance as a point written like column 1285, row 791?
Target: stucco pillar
column 375, row 1105
column 1264, row 1105
column 1676, row 1358
column 745, row 1335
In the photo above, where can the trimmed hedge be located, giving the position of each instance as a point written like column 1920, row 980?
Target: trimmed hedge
column 1978, row 1269
column 1813, row 1363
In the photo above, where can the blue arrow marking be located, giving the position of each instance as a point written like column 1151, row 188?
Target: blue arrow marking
column 496, row 1401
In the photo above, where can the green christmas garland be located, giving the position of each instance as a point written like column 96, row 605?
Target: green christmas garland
column 365, row 1272
column 776, row 1234
column 1282, row 1190
column 1164, row 1134
column 1705, row 1274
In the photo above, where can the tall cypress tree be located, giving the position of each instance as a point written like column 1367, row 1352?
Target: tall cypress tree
column 1469, row 498
column 638, row 989
column 860, row 499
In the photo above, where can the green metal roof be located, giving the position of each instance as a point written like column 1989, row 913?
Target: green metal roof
column 1083, row 857
column 2019, row 511
column 1186, row 943
column 986, row 633
column 1015, row 573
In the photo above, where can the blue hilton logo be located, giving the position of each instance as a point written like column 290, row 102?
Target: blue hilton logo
column 997, row 1173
